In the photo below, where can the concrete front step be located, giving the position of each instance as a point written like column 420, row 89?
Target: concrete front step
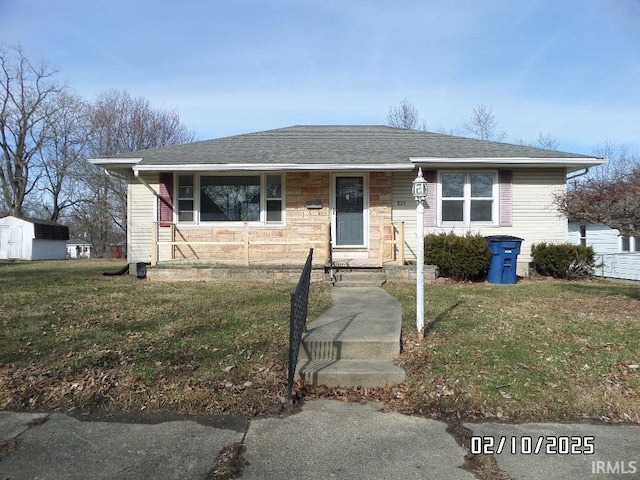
column 354, row 342
column 340, row 373
column 317, row 345
column 360, row 278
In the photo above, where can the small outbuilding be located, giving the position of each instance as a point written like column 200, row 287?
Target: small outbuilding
column 32, row 239
column 78, row 247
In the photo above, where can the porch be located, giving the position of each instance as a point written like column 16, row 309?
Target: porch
column 254, row 256
column 264, row 247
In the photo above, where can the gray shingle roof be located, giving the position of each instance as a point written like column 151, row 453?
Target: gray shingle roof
column 339, row 145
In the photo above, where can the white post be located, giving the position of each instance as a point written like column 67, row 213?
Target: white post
column 420, row 266
column 419, row 190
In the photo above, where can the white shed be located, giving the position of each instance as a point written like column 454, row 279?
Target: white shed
column 78, row 247
column 32, row 239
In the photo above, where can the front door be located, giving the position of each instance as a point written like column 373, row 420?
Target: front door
column 349, row 211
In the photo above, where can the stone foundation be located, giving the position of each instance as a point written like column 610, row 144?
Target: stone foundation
column 187, row 273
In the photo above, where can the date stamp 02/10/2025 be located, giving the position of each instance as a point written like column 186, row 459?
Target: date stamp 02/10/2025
column 550, row 445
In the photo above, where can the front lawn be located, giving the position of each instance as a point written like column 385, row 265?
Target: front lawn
column 73, row 339
column 539, row 350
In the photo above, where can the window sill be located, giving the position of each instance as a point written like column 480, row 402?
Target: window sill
column 264, row 225
column 467, row 225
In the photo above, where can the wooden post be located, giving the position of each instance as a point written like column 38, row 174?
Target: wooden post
column 381, row 255
column 401, row 244
column 154, row 243
column 246, row 244
column 173, row 239
column 327, row 245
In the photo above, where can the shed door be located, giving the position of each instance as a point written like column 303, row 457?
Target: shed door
column 349, row 203
column 10, row 241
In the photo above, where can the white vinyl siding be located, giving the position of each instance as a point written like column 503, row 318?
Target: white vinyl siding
column 535, row 218
column 403, row 209
column 142, row 212
column 606, row 243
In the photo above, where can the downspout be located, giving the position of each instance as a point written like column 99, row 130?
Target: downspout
column 136, row 173
column 580, row 174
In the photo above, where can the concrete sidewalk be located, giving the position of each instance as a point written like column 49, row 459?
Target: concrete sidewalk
column 326, row 439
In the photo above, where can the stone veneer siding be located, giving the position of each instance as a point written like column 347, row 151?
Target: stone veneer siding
column 302, row 229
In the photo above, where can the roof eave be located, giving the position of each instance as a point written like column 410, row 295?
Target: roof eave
column 275, row 167
column 118, row 165
column 570, row 163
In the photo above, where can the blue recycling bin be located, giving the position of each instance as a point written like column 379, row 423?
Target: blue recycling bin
column 505, row 250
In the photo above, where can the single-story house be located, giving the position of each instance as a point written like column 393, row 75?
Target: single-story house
column 78, row 247
column 32, row 239
column 618, row 256
column 343, row 190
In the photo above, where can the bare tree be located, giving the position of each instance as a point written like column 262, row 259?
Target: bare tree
column 60, row 161
column 28, row 95
column 545, row 140
column 609, row 194
column 621, row 162
column 99, row 212
column 120, row 124
column 483, row 125
column 404, row 116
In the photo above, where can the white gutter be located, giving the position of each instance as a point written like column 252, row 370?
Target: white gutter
column 118, row 162
column 533, row 162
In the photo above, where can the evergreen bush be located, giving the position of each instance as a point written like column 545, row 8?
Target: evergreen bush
column 563, row 260
column 462, row 258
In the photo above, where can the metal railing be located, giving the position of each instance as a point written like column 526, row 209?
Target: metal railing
column 298, row 321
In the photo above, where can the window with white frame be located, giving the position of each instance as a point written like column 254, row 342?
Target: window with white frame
column 230, row 198
column 467, row 198
column 629, row 244
column 274, row 198
column 186, row 198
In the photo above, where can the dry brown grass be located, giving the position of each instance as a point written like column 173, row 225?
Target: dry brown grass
column 539, row 350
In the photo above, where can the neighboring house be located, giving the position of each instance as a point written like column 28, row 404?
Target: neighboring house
column 617, row 256
column 32, row 239
column 78, row 247
column 268, row 197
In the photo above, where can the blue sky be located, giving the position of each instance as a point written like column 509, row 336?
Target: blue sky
column 568, row 68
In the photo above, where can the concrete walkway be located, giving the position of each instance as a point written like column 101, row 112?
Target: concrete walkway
column 326, row 439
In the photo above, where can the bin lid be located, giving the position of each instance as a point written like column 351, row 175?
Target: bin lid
column 504, row 238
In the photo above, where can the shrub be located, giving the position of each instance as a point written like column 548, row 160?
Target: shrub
column 464, row 258
column 563, row 260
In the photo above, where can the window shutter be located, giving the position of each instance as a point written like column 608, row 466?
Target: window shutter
column 505, row 197
column 430, row 207
column 165, row 202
